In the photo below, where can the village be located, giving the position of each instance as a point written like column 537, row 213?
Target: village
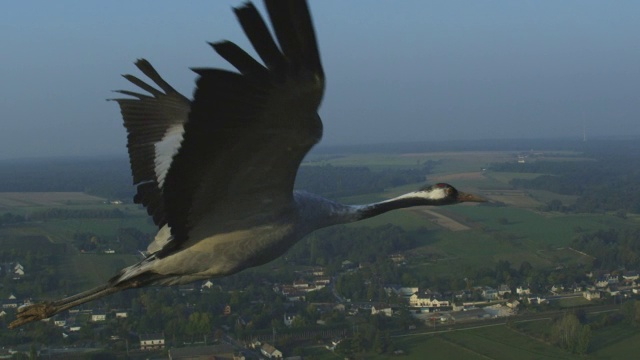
column 427, row 307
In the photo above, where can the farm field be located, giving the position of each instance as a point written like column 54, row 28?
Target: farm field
column 471, row 235
column 451, row 240
column 459, row 237
column 14, row 200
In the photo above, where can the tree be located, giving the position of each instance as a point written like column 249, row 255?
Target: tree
column 198, row 324
column 584, row 338
column 569, row 334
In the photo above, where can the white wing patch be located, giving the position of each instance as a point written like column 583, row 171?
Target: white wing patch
column 165, row 150
column 162, row 238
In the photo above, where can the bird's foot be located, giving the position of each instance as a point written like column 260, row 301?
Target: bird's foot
column 33, row 312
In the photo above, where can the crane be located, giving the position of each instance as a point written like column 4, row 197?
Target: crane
column 216, row 173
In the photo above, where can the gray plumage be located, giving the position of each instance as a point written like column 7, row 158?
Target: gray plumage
column 216, row 173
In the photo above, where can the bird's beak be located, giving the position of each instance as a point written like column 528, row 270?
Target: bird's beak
column 465, row 197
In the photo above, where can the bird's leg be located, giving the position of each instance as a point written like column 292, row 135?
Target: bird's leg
column 47, row 309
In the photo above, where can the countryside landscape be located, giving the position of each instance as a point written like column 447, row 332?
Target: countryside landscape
column 519, row 276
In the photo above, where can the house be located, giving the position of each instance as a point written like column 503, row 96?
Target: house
column 463, row 294
column 288, row 319
column 98, row 316
column 605, row 280
column 348, row 265
column 300, row 284
column 18, row 271
column 513, row 303
column 322, row 280
column 121, row 314
column 557, row 288
column 387, row 311
column 523, row 291
column 576, row 288
column 10, row 303
column 270, row 351
column 431, row 301
column 60, row 323
column 489, row 293
column 613, row 290
column 151, row 341
column 333, row 345
column 631, row 275
column 207, row 285
column 504, row 289
column 591, row 294
column 536, row 300
column 340, row 308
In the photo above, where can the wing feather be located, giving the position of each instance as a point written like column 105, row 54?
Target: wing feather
column 154, row 125
column 248, row 132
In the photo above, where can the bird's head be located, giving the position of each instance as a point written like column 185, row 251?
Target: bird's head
column 446, row 194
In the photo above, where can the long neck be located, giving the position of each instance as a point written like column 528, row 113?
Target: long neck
column 404, row 201
column 323, row 212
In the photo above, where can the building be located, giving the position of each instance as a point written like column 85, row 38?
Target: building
column 503, row 289
column 591, row 294
column 489, row 293
column 98, row 316
column 288, row 319
column 430, row 302
column 270, row 351
column 387, row 311
column 523, row 291
column 151, row 341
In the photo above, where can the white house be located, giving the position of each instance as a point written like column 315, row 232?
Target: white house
column 523, row 291
column 631, row 275
column 591, row 294
column 98, row 316
column 503, row 289
column 288, row 319
column 151, row 341
column 386, row 311
column 207, row 285
column 432, row 301
column 489, row 293
column 270, row 351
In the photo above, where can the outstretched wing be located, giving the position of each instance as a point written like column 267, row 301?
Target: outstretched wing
column 155, row 124
column 247, row 132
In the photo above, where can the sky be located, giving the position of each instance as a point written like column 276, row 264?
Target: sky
column 411, row 70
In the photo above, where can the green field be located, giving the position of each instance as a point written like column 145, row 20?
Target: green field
column 516, row 232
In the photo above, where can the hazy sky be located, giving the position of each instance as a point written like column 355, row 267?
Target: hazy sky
column 396, row 70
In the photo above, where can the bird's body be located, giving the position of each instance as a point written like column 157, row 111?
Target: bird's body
column 216, row 173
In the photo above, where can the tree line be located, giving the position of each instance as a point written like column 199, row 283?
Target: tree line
column 337, row 181
column 612, row 248
column 609, row 183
